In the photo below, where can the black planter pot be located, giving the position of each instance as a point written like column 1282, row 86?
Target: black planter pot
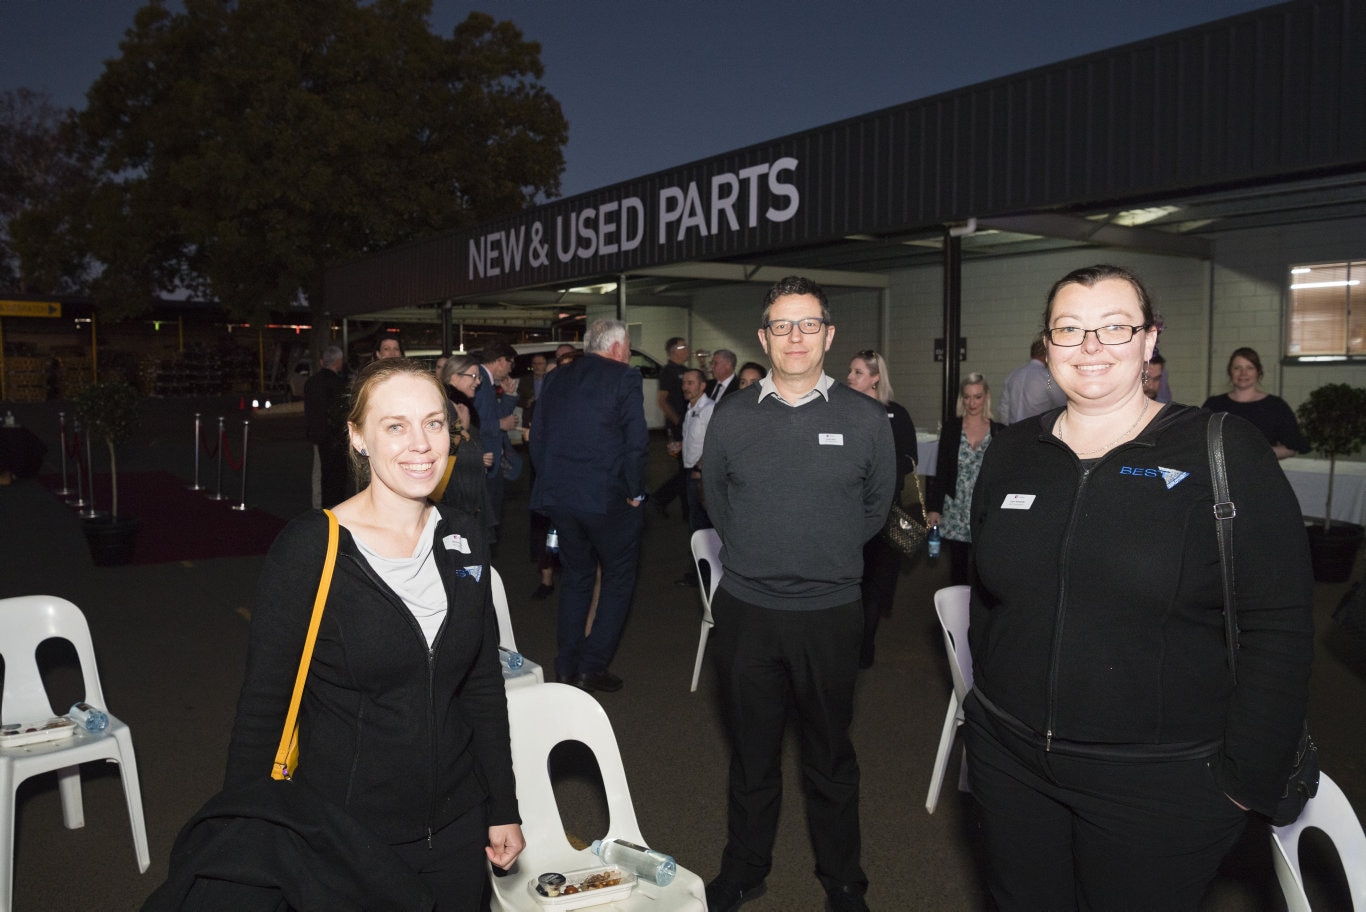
column 1333, row 553
column 111, row 540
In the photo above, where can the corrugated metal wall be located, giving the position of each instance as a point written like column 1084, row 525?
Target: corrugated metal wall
column 1272, row 95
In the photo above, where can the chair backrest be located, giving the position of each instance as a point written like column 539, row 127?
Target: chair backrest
column 951, row 604
column 25, row 622
column 1330, row 812
column 506, row 639
column 540, row 718
column 706, row 552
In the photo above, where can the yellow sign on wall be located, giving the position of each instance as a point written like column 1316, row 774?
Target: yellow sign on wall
column 30, row 308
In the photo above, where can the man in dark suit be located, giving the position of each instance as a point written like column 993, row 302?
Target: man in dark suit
column 326, row 428
column 497, row 360
column 588, row 442
column 723, row 383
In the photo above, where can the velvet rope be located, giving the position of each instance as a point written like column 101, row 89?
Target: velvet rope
column 227, row 452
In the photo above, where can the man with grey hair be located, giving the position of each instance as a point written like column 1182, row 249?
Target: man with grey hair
column 1029, row 390
column 723, row 363
column 326, row 429
column 588, row 444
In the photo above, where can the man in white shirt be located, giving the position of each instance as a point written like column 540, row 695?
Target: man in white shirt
column 1029, row 390
column 695, row 418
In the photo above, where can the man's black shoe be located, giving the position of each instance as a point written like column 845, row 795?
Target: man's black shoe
column 590, row 681
column 687, row 580
column 722, row 897
column 542, row 591
column 845, row 899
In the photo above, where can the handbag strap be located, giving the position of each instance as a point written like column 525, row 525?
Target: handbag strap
column 440, row 490
column 1224, row 511
column 281, row 768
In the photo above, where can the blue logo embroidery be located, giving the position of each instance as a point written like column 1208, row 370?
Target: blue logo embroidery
column 1170, row 477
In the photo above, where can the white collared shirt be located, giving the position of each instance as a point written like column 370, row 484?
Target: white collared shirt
column 695, row 420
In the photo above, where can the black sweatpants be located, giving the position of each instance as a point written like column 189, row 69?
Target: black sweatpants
column 1065, row 832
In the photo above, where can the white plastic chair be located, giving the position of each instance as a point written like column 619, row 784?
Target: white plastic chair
column 706, row 552
column 25, row 623
column 1330, row 812
column 540, row 718
column 530, row 673
column 951, row 604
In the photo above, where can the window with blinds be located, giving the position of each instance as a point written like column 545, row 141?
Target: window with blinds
column 1321, row 319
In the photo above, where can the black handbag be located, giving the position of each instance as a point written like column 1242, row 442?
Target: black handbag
column 1303, row 781
column 904, row 531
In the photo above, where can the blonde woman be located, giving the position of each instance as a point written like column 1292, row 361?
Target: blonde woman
column 962, row 444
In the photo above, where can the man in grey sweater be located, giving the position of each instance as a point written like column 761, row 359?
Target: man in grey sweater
column 798, row 473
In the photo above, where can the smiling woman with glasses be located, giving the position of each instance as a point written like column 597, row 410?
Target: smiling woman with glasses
column 1114, row 753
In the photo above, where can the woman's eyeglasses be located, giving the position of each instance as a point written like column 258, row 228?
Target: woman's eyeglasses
column 1072, row 336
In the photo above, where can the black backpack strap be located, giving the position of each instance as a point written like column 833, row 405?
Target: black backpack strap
column 1224, row 511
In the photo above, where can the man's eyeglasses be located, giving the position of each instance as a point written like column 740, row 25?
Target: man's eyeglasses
column 1072, row 336
column 809, row 326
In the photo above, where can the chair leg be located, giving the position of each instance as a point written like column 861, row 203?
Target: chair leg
column 132, row 795
column 69, row 787
column 7, row 788
column 941, row 759
column 701, row 648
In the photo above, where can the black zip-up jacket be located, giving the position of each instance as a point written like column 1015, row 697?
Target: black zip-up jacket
column 404, row 738
column 1097, row 620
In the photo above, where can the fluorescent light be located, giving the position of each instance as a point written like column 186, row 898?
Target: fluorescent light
column 1300, row 270
column 1342, row 284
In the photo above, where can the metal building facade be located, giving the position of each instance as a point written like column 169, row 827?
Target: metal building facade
column 1271, row 96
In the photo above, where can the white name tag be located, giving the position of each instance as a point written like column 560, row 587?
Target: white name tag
column 1017, row 502
column 454, row 542
column 831, row 439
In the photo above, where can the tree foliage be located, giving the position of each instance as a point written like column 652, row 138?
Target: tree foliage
column 246, row 144
column 35, row 168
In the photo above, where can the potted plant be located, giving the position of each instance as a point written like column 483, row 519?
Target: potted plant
column 107, row 411
column 1333, row 420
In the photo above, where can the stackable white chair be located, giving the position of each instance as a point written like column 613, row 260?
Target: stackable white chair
column 1330, row 812
column 26, row 622
column 541, row 718
column 706, row 553
column 951, row 605
column 530, row 673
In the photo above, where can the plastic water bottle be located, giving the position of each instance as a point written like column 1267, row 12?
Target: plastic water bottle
column 88, row 717
column 552, row 541
column 933, row 541
column 511, row 660
column 646, row 864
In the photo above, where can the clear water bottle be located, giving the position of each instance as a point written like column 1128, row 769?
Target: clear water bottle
column 552, row 541
column 646, row 864
column 512, row 660
column 933, row 541
column 88, row 717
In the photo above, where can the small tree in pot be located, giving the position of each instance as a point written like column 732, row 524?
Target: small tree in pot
column 108, row 412
column 1333, row 420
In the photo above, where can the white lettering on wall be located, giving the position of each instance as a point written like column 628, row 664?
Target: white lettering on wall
column 681, row 209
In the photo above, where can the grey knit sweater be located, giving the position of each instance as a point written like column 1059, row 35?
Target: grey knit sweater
column 794, row 492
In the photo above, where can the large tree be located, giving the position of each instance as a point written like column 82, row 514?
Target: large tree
column 35, row 168
column 246, row 144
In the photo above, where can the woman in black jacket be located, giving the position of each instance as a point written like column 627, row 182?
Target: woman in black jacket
column 404, row 722
column 1113, row 753
column 868, row 374
column 948, row 494
column 467, row 490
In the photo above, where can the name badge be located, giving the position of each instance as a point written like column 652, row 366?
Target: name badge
column 1018, row 502
column 831, row 439
column 454, row 542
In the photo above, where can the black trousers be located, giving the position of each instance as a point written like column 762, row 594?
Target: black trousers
column 589, row 541
column 881, row 566
column 1065, row 832
column 771, row 662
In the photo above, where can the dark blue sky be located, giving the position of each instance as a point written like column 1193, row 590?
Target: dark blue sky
column 652, row 84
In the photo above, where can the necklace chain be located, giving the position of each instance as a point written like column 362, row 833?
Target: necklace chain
column 1062, row 424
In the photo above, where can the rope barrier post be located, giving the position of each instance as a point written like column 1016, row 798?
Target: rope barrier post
column 218, row 492
column 246, row 428
column 196, row 486
column 90, row 512
column 76, row 449
column 63, row 491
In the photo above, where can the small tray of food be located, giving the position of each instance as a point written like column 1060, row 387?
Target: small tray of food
column 582, row 888
column 14, row 734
